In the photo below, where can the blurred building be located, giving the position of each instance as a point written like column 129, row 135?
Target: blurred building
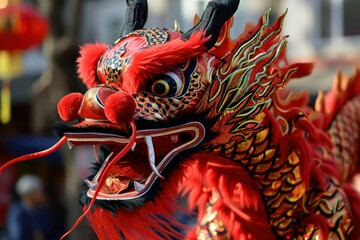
column 324, row 31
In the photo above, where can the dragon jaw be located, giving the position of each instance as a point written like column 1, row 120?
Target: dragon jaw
column 151, row 153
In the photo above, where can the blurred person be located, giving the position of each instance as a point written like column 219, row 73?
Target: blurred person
column 29, row 218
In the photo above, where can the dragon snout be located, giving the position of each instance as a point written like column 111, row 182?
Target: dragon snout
column 100, row 103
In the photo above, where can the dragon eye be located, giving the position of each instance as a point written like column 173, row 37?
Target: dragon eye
column 160, row 87
column 168, row 85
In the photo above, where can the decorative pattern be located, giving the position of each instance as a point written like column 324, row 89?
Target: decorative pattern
column 153, row 36
column 159, row 109
column 155, row 108
column 112, row 66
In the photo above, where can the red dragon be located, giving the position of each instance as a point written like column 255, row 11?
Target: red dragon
column 195, row 139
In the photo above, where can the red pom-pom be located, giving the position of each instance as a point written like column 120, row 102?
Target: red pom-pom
column 87, row 63
column 120, row 108
column 68, row 107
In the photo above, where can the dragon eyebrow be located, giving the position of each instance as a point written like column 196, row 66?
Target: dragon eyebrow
column 151, row 61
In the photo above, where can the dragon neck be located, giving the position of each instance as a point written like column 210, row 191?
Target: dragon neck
column 344, row 132
column 284, row 157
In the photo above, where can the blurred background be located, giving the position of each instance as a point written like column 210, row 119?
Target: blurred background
column 326, row 32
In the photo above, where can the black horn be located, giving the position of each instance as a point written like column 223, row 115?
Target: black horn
column 136, row 15
column 216, row 13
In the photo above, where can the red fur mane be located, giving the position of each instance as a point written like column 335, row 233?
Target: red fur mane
column 240, row 204
column 87, row 63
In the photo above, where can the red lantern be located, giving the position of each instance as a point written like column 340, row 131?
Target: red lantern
column 21, row 27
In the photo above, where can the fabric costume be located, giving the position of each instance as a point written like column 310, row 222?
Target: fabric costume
column 203, row 118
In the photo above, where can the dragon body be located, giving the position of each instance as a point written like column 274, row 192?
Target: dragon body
column 195, row 137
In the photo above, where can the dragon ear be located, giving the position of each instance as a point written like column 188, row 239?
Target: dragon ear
column 87, row 63
column 136, row 16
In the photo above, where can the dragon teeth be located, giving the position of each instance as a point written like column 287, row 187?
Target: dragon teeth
column 91, row 184
column 151, row 155
column 70, row 145
column 139, row 187
column 133, row 146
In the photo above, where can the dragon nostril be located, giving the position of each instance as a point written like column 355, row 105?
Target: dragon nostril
column 120, row 107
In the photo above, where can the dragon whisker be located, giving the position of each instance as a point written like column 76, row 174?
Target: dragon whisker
column 34, row 155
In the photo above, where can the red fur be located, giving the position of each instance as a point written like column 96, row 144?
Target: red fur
column 240, row 205
column 290, row 108
column 68, row 107
column 87, row 63
column 154, row 218
column 120, row 108
column 149, row 62
column 321, row 222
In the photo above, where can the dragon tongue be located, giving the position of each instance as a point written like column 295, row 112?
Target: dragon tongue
column 112, row 185
column 115, row 185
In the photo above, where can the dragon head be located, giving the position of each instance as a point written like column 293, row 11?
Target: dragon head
column 180, row 91
column 156, row 78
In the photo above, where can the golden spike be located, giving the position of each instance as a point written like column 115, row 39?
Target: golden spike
column 320, row 102
column 177, row 26
column 337, row 81
column 196, row 19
